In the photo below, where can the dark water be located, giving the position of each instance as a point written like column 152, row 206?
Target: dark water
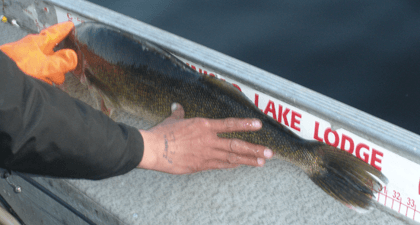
column 363, row 53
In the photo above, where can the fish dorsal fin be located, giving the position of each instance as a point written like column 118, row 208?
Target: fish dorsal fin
column 229, row 89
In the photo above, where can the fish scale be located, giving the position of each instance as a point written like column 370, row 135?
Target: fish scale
column 130, row 74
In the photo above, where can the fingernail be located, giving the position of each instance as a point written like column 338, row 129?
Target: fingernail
column 268, row 153
column 174, row 106
column 260, row 161
column 256, row 123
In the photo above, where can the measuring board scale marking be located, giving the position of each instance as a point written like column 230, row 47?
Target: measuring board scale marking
column 65, row 15
column 395, row 202
column 403, row 190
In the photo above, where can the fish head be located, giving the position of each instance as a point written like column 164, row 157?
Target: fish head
column 95, row 53
column 100, row 49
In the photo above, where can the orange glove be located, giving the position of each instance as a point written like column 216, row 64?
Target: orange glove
column 34, row 54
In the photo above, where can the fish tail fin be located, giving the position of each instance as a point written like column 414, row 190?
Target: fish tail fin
column 346, row 177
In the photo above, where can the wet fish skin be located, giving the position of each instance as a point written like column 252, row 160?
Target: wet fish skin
column 133, row 75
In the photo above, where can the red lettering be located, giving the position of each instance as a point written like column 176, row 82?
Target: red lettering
column 270, row 108
column 344, row 139
column 316, row 137
column 211, row 74
column 336, row 138
column 69, row 16
column 193, row 67
column 205, row 72
column 365, row 154
column 283, row 114
column 257, row 97
column 199, row 70
column 375, row 159
column 235, row 85
column 295, row 121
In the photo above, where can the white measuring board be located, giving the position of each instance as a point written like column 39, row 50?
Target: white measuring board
column 401, row 194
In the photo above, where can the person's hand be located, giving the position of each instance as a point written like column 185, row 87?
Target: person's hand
column 34, row 54
column 182, row 146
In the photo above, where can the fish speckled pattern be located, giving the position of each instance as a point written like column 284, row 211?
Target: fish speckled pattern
column 130, row 74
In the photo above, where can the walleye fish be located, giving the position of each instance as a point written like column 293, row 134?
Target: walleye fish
column 133, row 75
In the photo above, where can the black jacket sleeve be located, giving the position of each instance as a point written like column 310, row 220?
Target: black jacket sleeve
column 45, row 131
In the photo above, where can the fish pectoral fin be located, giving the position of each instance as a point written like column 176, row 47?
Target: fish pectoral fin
column 84, row 80
column 345, row 177
column 105, row 110
column 101, row 87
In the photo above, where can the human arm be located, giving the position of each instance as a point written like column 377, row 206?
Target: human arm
column 45, row 131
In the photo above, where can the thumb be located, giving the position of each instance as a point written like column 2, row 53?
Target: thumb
column 57, row 65
column 177, row 111
column 66, row 59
